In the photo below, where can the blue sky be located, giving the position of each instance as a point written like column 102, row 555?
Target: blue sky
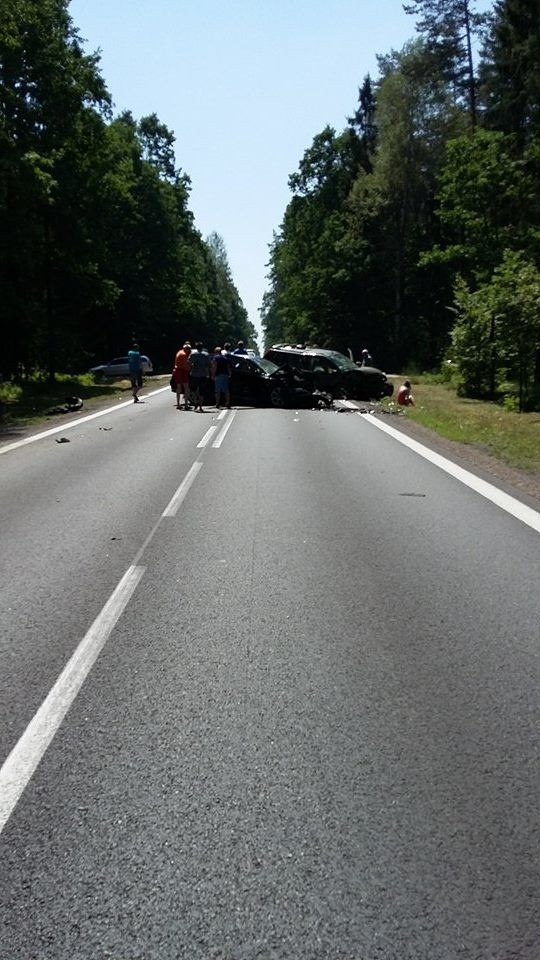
column 244, row 85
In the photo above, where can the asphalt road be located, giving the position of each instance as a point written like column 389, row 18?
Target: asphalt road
column 308, row 729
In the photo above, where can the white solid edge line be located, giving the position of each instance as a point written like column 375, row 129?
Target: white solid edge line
column 23, row 760
column 176, row 499
column 503, row 500
column 209, row 433
column 219, row 440
column 75, row 423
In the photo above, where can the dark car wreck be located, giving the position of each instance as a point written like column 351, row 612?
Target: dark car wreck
column 332, row 372
column 260, row 382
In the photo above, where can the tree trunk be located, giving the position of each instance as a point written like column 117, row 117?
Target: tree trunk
column 472, row 83
column 493, row 361
column 49, row 308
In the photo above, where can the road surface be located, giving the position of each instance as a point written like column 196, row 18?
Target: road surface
column 269, row 690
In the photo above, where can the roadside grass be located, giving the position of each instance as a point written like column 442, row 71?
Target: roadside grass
column 511, row 437
column 27, row 402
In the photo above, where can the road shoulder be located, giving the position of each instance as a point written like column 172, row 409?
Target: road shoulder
column 518, row 483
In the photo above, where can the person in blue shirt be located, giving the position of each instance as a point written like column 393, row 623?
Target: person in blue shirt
column 220, row 372
column 135, row 370
column 240, row 348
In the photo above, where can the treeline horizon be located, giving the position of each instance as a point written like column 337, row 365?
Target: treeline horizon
column 415, row 231
column 98, row 246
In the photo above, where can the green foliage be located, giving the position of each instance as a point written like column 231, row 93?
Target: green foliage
column 509, row 74
column 363, row 125
column 311, row 256
column 485, row 204
column 229, row 317
column 449, row 27
column 97, row 244
column 496, row 339
column 472, row 342
column 380, row 225
column 507, row 435
column 345, row 265
column 30, row 398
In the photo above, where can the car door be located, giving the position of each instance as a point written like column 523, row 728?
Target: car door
column 326, row 375
column 146, row 365
column 118, row 367
column 245, row 379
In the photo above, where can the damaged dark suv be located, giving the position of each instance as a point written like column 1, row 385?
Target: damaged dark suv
column 332, row 372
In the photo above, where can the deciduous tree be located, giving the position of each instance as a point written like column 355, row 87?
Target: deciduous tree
column 496, row 338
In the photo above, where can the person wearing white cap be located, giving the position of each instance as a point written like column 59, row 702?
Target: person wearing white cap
column 367, row 359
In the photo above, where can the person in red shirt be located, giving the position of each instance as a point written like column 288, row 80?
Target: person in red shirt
column 405, row 397
column 182, row 367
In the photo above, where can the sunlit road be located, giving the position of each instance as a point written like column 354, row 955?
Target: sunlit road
column 301, row 719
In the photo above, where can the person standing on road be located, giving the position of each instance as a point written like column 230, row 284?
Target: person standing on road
column 135, row 370
column 182, row 367
column 240, row 348
column 198, row 377
column 221, row 372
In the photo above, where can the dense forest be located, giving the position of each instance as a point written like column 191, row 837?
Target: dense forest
column 414, row 231
column 97, row 243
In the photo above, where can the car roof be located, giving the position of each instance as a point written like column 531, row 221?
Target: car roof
column 257, row 361
column 124, row 359
column 309, row 350
column 246, row 358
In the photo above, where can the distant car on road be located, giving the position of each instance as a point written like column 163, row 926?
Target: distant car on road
column 119, row 367
column 332, row 372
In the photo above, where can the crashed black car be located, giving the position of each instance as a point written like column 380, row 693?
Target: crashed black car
column 332, row 372
column 256, row 381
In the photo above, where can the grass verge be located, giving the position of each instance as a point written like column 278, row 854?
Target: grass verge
column 29, row 402
column 513, row 438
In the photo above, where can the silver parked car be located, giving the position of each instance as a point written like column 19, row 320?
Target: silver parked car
column 119, row 367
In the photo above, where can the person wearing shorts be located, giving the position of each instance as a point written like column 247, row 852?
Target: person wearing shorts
column 182, row 367
column 221, row 371
column 200, row 371
column 135, row 371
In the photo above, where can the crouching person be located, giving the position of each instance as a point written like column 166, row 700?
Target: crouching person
column 405, row 397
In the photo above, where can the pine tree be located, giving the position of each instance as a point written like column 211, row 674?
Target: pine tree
column 510, row 69
column 362, row 124
column 449, row 27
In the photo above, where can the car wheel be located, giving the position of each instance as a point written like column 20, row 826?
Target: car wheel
column 276, row 397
